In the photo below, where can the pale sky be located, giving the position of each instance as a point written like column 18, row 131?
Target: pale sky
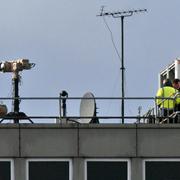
column 72, row 50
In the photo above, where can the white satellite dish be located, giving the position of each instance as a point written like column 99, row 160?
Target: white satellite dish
column 87, row 108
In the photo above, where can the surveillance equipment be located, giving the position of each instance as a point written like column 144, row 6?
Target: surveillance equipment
column 87, row 108
column 63, row 97
column 16, row 65
column 64, row 94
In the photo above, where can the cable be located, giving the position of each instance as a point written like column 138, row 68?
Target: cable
column 116, row 50
column 112, row 38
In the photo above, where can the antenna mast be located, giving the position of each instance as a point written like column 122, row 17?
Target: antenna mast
column 122, row 15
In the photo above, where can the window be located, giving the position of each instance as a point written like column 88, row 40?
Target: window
column 6, row 169
column 107, row 169
column 166, row 169
column 43, row 169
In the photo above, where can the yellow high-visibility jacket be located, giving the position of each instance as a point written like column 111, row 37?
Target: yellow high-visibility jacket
column 166, row 92
column 177, row 97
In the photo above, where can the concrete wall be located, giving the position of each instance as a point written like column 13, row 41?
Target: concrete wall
column 78, row 142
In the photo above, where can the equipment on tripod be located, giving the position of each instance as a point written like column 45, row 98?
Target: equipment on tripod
column 14, row 67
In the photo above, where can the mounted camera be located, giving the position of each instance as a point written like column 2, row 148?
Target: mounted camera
column 16, row 65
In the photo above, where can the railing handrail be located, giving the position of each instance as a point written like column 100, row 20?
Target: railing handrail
column 151, row 114
column 74, row 98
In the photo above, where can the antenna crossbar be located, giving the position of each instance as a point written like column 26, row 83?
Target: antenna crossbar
column 118, row 14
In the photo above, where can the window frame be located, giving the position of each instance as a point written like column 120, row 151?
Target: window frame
column 157, row 160
column 11, row 166
column 48, row 160
column 106, row 160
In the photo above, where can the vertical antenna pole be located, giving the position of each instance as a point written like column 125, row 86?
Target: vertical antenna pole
column 122, row 67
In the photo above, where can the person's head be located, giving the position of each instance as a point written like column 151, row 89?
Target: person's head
column 167, row 82
column 176, row 83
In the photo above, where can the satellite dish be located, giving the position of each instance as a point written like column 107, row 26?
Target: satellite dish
column 87, row 108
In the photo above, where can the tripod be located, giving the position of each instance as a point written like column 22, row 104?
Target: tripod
column 16, row 115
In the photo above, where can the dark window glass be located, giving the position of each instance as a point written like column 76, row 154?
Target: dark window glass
column 163, row 170
column 109, row 170
column 48, row 170
column 5, row 170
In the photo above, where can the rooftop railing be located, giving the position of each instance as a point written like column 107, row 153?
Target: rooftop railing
column 106, row 110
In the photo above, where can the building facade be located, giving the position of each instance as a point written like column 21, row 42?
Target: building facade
column 89, row 151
